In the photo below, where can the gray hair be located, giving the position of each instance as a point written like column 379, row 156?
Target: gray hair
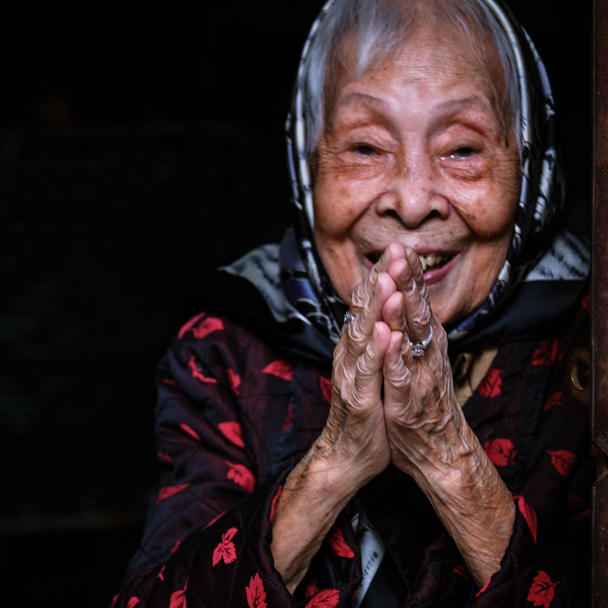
column 379, row 29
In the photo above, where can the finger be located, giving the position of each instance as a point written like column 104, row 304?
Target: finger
column 362, row 292
column 397, row 376
column 359, row 333
column 417, row 309
column 368, row 377
column 407, row 356
column 393, row 312
column 416, row 268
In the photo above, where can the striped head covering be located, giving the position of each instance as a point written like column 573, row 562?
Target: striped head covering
column 539, row 251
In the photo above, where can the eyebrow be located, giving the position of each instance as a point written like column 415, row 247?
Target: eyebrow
column 446, row 109
column 355, row 96
column 449, row 105
column 465, row 101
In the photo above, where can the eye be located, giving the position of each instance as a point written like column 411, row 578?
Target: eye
column 364, row 150
column 462, row 153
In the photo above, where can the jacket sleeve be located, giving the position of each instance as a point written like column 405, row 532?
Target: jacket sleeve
column 547, row 562
column 208, row 531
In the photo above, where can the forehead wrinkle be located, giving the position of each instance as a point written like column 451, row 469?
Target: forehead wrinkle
column 449, row 108
column 357, row 99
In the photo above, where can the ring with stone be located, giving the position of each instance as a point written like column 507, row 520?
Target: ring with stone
column 418, row 348
column 349, row 317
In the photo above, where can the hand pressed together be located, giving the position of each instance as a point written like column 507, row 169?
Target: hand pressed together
column 389, row 405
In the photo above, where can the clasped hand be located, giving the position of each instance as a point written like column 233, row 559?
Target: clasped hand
column 388, row 404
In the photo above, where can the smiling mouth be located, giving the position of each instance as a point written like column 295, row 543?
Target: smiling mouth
column 428, row 262
column 433, row 262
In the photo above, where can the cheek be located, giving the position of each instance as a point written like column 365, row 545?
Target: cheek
column 336, row 207
column 489, row 208
column 336, row 212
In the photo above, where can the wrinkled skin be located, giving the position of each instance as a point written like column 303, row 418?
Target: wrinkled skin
column 413, row 162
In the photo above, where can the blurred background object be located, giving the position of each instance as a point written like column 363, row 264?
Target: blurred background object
column 139, row 149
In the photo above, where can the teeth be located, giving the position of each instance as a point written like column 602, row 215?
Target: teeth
column 429, row 261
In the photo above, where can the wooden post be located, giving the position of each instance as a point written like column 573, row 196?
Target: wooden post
column 600, row 303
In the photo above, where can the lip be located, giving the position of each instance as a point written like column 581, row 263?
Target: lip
column 434, row 276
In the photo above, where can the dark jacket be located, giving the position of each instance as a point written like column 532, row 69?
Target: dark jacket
column 234, row 417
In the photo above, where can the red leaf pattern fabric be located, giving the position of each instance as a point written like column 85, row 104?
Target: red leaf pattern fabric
column 563, row 461
column 225, row 551
column 550, row 352
column 214, row 519
column 114, row 601
column 328, row 598
column 210, row 409
column 280, row 369
column 133, row 602
column 209, row 325
column 529, row 515
column 256, row 596
column 586, row 303
column 189, row 325
column 190, row 431
column 241, row 475
column 574, row 502
column 196, row 373
column 232, row 431
column 312, row 588
column 484, row 588
column 542, row 590
column 326, row 388
column 492, row 384
column 178, row 598
column 593, row 450
column 273, row 504
column 235, row 381
column 463, row 571
column 553, row 400
column 288, row 419
column 175, row 547
column 169, row 491
column 336, row 541
column 164, row 458
column 500, row 451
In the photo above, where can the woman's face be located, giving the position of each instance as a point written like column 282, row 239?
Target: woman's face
column 414, row 153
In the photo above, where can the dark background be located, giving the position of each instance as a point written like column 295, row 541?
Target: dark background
column 138, row 148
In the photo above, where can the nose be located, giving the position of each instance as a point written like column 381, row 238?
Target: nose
column 413, row 197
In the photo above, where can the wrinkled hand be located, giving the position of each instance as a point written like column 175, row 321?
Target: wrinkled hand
column 355, row 431
column 423, row 417
column 428, row 435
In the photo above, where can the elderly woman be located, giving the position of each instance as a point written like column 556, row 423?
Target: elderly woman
column 444, row 463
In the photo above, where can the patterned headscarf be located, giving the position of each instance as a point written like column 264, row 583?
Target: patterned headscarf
column 538, row 252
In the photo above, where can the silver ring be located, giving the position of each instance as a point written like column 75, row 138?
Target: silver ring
column 418, row 348
column 349, row 317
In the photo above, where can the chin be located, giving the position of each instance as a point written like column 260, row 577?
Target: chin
column 445, row 309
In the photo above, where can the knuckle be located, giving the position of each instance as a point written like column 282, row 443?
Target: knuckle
column 357, row 336
column 402, row 379
column 363, row 364
column 361, row 292
column 423, row 315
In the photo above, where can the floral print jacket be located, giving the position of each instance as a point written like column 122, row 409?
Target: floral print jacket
column 233, row 418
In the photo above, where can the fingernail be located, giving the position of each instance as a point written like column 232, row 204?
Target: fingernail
column 375, row 331
column 402, row 267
